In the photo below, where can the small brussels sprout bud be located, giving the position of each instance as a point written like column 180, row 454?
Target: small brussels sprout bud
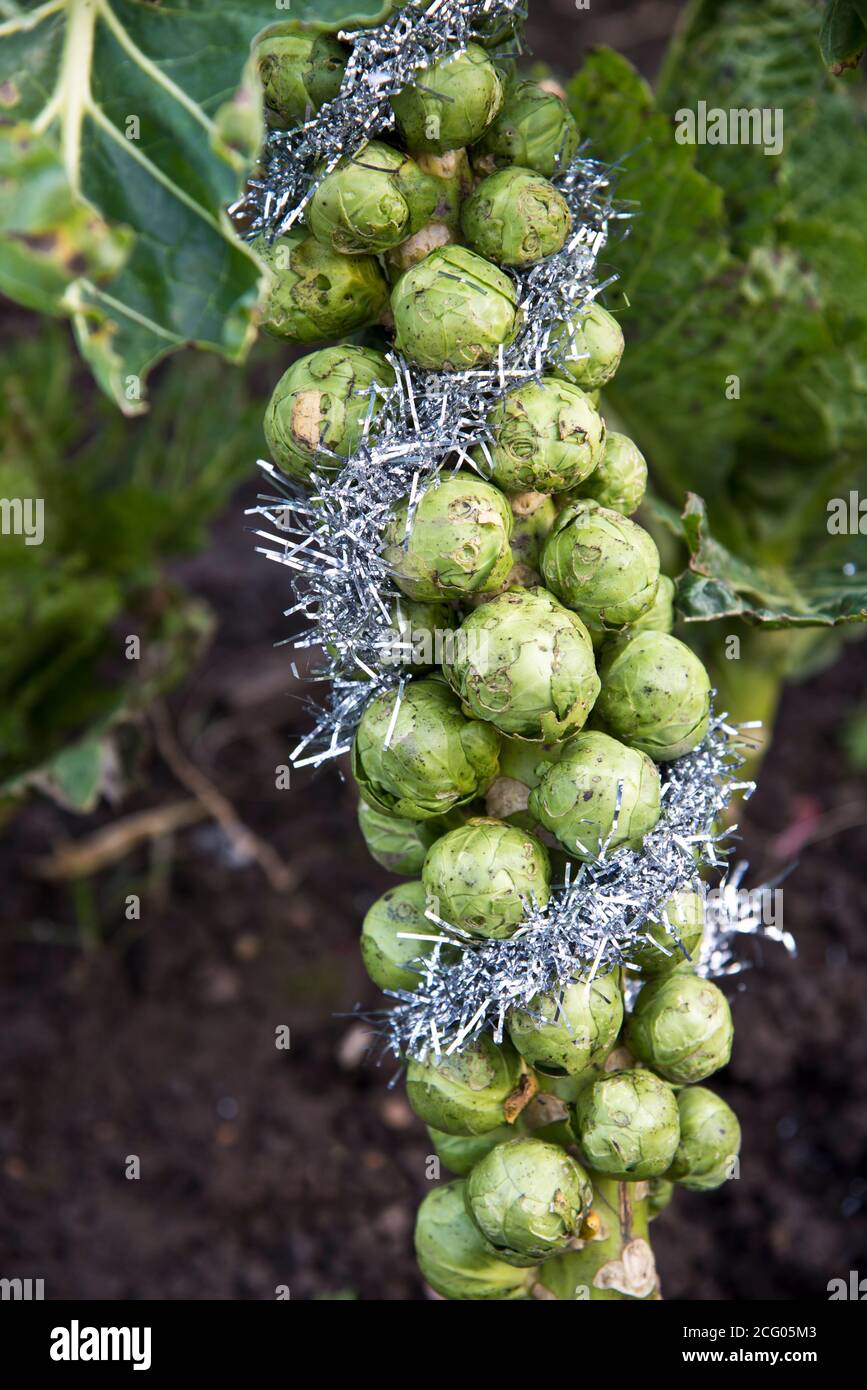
column 398, row 844
column 619, row 481
column 535, row 514
column 300, row 72
column 547, row 437
column 486, row 876
column 601, row 564
column 534, row 130
column 386, row 948
column 682, row 926
column 418, row 635
column 371, row 201
column 466, row 1092
column 681, row 1026
column 659, row 1195
column 588, row 350
column 453, row 1257
column 436, row 758
column 454, row 102
column 323, row 401
column 458, row 542
column 627, row 1125
column 460, row 1153
column 710, row 1140
column 577, row 798
column 528, row 1199
column 659, row 617
column 565, row 1033
column 655, row 695
column 453, row 311
column 315, row 293
column 515, row 217
column 526, row 664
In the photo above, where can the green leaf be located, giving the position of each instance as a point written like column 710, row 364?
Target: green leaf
column 138, row 123
column 843, row 35
column 328, row 16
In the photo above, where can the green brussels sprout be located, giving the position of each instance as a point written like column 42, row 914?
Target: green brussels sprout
column 315, row 293
column 534, row 515
column 398, row 844
column 485, row 876
column 371, row 201
column 516, row 217
column 323, row 402
column 528, row 1199
column 627, row 1125
column 525, row 663
column 522, row 765
column 461, row 1152
column 710, row 1140
column 454, row 102
column 619, row 480
column 577, row 798
column 659, row 617
column 659, row 1195
column 300, row 72
column 466, row 1092
column 453, row 1257
column 453, row 311
column 578, row 1028
column 682, row 925
column 436, row 758
column 593, row 348
column 385, row 949
column 681, row 1026
column 534, row 130
column 601, row 564
column 655, row 695
column 458, row 542
column 547, row 437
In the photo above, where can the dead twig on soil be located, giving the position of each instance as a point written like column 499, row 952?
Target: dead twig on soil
column 92, row 853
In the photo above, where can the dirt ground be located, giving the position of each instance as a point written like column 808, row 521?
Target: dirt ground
column 260, row 1168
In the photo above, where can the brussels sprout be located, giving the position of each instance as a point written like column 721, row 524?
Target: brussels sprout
column 547, row 437
column 681, row 1026
column 435, row 758
column 398, row 844
column 323, row 402
column 577, row 798
column 588, row 350
column 466, row 1092
column 534, row 514
column 417, row 636
column 300, row 72
column 458, row 542
column 528, row 1199
column 454, row 102
column 516, row 217
column 682, row 925
column 525, row 663
column 535, row 130
column 460, row 1152
column 710, row 1140
column 655, row 695
column 659, row 617
column 485, row 876
column 619, row 481
column 453, row 311
column 385, row 949
column 627, row 1125
column 453, row 1257
column 659, row 1195
column 371, row 201
column 578, row 1026
column 601, row 564
column 315, row 293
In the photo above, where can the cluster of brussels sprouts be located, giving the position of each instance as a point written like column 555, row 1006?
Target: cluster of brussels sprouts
column 547, row 688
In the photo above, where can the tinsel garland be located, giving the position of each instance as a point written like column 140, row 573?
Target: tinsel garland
column 332, row 541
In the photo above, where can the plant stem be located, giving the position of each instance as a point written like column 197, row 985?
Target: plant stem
column 615, row 1263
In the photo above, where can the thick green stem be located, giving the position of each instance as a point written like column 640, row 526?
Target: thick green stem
column 616, row 1261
